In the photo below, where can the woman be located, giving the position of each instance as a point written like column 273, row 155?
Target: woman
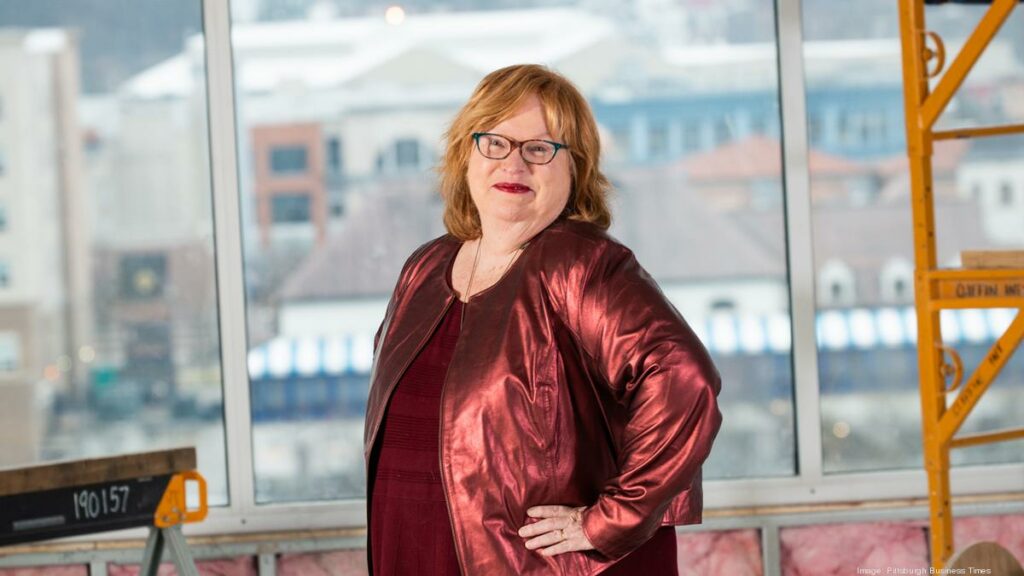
column 536, row 405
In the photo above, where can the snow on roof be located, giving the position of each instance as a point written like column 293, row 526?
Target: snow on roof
column 171, row 77
column 45, row 40
column 324, row 54
column 314, row 71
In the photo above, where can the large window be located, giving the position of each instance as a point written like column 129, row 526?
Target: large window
column 124, row 329
column 863, row 251
column 696, row 159
column 110, row 338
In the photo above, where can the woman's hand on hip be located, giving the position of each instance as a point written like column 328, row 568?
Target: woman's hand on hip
column 559, row 530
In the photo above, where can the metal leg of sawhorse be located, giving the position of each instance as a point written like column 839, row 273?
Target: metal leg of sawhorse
column 180, row 555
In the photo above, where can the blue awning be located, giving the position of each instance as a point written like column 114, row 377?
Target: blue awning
column 854, row 328
column 312, row 356
column 724, row 334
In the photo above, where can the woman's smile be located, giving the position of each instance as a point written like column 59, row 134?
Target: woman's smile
column 513, row 187
column 512, row 194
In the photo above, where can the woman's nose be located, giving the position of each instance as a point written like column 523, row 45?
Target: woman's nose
column 514, row 162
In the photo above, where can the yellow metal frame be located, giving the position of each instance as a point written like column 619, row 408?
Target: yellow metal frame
column 937, row 289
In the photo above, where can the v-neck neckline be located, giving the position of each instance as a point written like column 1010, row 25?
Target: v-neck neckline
column 508, row 270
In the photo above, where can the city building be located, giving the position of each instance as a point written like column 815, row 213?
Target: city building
column 46, row 319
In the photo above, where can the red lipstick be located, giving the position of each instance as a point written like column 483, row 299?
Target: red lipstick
column 512, row 187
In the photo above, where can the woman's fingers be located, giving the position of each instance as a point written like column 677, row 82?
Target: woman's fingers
column 571, row 539
column 543, row 526
column 560, row 530
column 545, row 539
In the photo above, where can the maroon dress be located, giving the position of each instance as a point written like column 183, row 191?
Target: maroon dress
column 410, row 529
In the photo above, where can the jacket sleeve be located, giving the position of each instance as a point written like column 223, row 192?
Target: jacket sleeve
column 388, row 312
column 398, row 292
column 662, row 379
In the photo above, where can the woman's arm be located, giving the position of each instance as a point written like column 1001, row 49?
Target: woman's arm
column 659, row 372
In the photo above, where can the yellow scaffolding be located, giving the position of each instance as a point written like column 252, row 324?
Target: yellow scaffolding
column 938, row 289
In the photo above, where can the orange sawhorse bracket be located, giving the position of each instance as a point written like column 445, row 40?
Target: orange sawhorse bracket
column 171, row 513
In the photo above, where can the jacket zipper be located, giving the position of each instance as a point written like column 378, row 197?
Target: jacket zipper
column 440, row 454
column 379, row 418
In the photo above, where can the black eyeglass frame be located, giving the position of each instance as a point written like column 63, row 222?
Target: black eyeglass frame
column 517, row 144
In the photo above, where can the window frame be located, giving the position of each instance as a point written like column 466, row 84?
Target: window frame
column 809, row 486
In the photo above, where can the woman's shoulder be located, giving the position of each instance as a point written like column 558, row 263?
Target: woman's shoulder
column 571, row 254
column 441, row 245
column 432, row 253
column 574, row 241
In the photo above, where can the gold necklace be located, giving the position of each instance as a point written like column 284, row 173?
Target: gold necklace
column 472, row 273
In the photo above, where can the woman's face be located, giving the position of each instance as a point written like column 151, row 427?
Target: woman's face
column 512, row 193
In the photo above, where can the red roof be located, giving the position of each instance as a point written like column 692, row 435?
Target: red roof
column 758, row 157
column 946, row 156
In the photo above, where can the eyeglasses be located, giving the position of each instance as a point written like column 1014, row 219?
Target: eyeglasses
column 498, row 147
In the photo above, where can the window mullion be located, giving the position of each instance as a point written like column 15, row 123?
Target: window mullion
column 227, row 233
column 793, row 101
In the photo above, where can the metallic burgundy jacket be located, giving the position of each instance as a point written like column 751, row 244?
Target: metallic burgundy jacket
column 574, row 382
